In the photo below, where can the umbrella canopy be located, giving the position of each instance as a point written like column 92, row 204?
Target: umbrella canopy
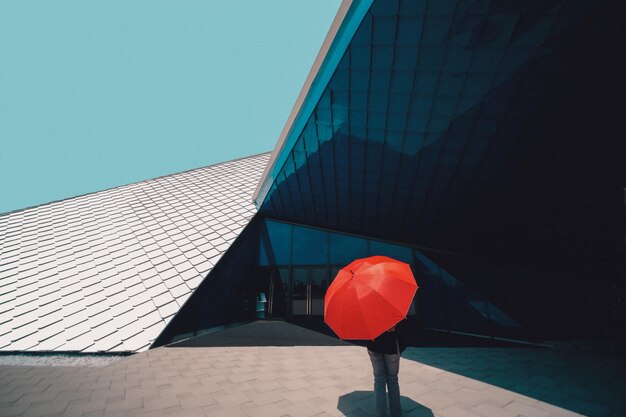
column 368, row 297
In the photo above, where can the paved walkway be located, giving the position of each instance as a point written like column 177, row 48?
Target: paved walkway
column 321, row 381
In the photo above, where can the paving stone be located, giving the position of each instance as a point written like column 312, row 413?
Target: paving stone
column 228, row 400
column 436, row 399
column 80, row 407
column 124, row 405
column 526, row 409
column 197, row 401
column 161, row 403
column 36, row 397
column 266, row 410
column 456, row 411
column 216, row 410
column 175, row 388
column 14, row 410
column 487, row 410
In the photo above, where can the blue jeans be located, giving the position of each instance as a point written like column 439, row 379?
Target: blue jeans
column 386, row 369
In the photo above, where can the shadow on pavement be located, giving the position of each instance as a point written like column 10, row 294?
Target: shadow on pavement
column 588, row 382
column 262, row 333
column 360, row 403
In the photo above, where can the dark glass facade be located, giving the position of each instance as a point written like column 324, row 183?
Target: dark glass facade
column 491, row 130
column 480, row 141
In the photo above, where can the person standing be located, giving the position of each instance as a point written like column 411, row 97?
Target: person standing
column 384, row 353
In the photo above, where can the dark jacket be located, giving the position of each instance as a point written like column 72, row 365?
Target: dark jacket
column 388, row 342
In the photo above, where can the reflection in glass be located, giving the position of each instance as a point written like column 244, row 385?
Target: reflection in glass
column 311, row 246
column 315, row 256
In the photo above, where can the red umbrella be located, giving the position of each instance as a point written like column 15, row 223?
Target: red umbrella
column 368, row 297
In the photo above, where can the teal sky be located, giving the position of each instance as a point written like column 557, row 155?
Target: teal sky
column 97, row 94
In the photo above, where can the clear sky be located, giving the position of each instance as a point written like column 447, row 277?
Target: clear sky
column 97, row 94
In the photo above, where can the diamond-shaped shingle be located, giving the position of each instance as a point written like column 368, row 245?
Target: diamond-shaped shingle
column 106, row 271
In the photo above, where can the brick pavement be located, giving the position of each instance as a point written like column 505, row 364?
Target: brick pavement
column 320, row 381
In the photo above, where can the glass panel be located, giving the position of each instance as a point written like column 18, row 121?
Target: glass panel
column 431, row 58
column 458, row 58
column 299, row 291
column 279, row 296
column 476, row 84
column 359, row 81
column 380, row 81
column 345, row 249
column 384, row 30
column 319, row 284
column 334, row 270
column 462, row 302
column 310, row 246
column 400, row 253
column 436, row 29
column 275, row 247
column 405, row 58
column 426, row 82
column 363, row 36
column 382, row 56
column 432, row 293
column 360, row 57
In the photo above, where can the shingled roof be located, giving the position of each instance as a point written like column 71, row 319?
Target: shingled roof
column 107, row 271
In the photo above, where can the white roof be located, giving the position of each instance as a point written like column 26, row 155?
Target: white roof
column 108, row 270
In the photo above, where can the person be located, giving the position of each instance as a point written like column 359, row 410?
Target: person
column 384, row 353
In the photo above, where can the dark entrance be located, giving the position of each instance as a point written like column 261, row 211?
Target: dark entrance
column 309, row 287
column 294, row 292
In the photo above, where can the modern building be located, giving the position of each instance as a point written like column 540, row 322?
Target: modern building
column 483, row 142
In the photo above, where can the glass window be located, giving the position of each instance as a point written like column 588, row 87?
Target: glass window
column 378, row 121
column 405, row 58
column 394, row 140
column 363, row 36
column 410, row 8
column 377, row 102
column 340, row 80
column 359, row 80
column 384, row 30
column 458, row 58
column 334, row 270
column 486, row 60
column 401, row 253
column 275, row 248
column 409, row 30
column 358, row 100
column 417, row 123
column 431, row 58
column 360, row 57
column 476, row 84
column 402, row 82
column 451, row 83
column 382, row 57
column 380, row 81
column 345, row 249
column 357, row 120
column 436, row 29
column 399, row 103
column 437, row 124
column 425, row 83
column 310, row 246
column 299, row 153
column 444, row 105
